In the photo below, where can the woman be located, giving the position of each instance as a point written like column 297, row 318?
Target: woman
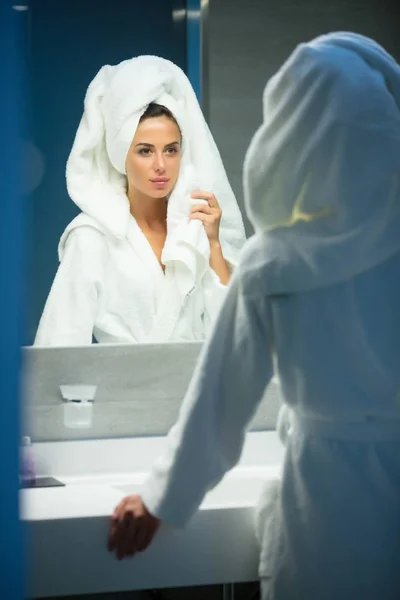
column 150, row 256
column 318, row 288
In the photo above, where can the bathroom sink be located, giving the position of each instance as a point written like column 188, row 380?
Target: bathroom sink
column 241, row 487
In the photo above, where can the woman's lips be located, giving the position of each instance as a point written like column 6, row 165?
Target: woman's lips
column 159, row 182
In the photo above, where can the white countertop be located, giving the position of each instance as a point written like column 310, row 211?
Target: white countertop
column 67, row 526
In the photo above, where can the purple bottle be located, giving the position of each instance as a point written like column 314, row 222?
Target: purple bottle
column 27, row 474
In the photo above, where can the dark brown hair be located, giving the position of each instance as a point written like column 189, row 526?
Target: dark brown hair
column 157, row 110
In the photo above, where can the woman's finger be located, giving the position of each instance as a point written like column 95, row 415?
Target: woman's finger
column 145, row 535
column 205, row 208
column 210, row 219
column 212, row 201
column 132, row 538
column 126, row 541
column 202, row 195
column 198, row 217
column 119, row 509
column 112, row 535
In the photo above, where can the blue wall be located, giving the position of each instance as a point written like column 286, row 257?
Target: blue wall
column 193, row 46
column 11, row 581
column 68, row 42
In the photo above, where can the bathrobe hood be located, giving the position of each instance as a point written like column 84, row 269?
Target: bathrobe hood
column 322, row 173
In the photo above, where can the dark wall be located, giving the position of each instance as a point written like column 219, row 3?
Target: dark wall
column 67, row 42
column 250, row 39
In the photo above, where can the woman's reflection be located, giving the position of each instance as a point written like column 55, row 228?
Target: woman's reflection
column 149, row 257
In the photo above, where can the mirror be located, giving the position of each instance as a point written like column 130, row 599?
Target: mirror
column 111, row 286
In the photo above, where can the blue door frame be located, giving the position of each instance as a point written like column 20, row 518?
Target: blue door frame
column 11, row 273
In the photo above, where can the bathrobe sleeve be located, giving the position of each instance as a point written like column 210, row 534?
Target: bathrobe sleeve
column 229, row 381
column 214, row 293
column 214, row 296
column 71, row 307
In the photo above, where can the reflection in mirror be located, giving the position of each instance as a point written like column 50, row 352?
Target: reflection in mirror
column 66, row 43
column 138, row 390
column 150, row 255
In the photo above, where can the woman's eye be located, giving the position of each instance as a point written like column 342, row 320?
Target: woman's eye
column 144, row 151
column 172, row 150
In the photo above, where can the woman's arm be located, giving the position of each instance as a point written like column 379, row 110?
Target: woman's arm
column 218, row 263
column 210, row 215
column 229, row 382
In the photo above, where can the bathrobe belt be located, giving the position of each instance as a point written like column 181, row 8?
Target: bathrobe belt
column 366, row 429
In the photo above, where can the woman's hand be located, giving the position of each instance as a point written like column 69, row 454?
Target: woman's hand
column 210, row 214
column 132, row 527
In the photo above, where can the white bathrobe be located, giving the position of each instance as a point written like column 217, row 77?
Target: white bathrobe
column 110, row 284
column 115, row 290
column 317, row 289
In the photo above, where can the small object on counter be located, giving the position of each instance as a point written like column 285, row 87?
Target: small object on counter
column 42, row 482
column 27, row 473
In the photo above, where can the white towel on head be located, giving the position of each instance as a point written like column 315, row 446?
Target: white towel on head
column 114, row 103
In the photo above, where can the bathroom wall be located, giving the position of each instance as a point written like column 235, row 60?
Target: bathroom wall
column 139, row 390
column 249, row 40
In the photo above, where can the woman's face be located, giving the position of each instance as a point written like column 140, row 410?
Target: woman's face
column 154, row 157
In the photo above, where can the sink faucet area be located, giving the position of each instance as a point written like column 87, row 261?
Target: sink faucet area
column 109, row 455
column 69, row 524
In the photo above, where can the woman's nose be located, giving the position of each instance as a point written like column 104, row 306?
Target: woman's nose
column 159, row 164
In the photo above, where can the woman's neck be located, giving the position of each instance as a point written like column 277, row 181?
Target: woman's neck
column 148, row 212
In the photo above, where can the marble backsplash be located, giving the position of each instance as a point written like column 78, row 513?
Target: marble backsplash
column 139, row 390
